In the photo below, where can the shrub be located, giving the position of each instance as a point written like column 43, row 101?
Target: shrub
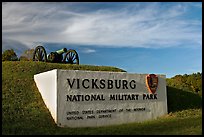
column 27, row 55
column 9, row 55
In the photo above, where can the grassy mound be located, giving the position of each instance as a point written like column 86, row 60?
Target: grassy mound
column 179, row 100
column 24, row 112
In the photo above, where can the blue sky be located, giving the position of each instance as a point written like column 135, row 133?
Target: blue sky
column 139, row 37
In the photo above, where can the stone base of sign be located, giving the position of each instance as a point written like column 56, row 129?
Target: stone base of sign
column 91, row 98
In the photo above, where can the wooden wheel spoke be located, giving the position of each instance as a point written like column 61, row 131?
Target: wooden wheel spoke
column 68, row 56
column 73, row 55
column 41, row 55
column 74, row 58
column 36, row 57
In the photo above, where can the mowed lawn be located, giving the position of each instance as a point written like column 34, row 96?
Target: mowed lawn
column 24, row 112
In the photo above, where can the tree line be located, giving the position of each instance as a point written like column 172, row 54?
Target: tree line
column 10, row 55
column 187, row 82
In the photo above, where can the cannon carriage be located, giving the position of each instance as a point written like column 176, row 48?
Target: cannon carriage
column 60, row 56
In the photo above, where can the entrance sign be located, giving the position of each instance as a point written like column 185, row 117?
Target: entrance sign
column 77, row 98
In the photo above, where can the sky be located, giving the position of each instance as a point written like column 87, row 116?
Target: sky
column 139, row 37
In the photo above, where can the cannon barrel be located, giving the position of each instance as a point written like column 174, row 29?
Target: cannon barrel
column 56, row 56
column 61, row 51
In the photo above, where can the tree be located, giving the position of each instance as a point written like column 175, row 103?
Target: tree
column 27, row 55
column 9, row 55
column 191, row 82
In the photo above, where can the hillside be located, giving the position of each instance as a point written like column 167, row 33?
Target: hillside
column 24, row 112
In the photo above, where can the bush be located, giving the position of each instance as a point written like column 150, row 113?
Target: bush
column 9, row 55
column 27, row 55
column 23, row 58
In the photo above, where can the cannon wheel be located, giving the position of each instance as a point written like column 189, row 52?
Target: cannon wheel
column 71, row 57
column 40, row 54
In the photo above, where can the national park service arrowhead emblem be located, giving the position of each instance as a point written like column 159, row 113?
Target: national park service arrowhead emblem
column 152, row 83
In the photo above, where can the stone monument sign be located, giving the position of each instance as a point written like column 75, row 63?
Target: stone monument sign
column 77, row 98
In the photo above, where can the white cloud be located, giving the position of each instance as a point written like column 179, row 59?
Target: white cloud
column 87, row 50
column 149, row 26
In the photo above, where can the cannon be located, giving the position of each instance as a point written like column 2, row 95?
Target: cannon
column 60, row 56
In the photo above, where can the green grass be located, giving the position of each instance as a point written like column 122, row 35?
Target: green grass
column 24, row 112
